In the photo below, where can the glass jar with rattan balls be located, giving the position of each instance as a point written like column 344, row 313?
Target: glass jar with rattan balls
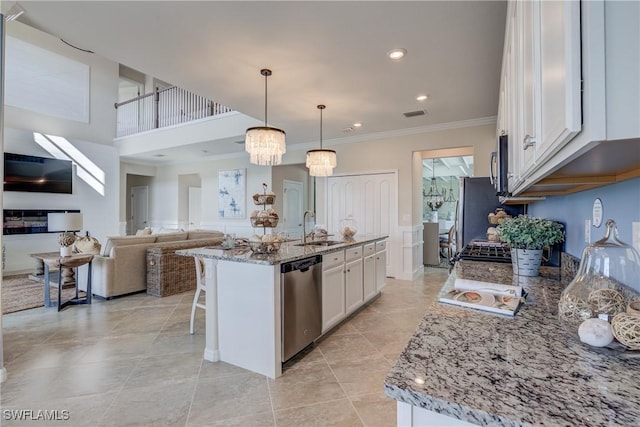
column 606, row 287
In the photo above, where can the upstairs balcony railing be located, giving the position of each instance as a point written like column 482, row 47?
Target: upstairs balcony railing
column 162, row 108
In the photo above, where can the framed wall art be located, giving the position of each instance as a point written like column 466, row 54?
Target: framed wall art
column 232, row 193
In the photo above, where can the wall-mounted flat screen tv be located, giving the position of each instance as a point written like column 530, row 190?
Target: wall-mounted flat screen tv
column 37, row 174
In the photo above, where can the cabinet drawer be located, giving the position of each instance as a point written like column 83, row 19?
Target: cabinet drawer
column 369, row 249
column 381, row 246
column 332, row 260
column 353, row 253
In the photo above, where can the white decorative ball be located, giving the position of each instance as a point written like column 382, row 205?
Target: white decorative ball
column 595, row 332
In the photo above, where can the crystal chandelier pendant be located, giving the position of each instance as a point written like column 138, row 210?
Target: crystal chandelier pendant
column 321, row 162
column 265, row 144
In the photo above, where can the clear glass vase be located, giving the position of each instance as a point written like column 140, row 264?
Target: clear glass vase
column 348, row 227
column 606, row 287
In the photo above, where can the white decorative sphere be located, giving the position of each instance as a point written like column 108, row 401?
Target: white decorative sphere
column 595, row 332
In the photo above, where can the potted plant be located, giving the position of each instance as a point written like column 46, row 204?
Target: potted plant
column 527, row 236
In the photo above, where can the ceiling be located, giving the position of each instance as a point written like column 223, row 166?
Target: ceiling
column 332, row 53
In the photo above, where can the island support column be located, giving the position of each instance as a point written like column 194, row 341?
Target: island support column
column 211, row 346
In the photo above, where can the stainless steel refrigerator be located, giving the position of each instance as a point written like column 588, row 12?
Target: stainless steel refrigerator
column 477, row 199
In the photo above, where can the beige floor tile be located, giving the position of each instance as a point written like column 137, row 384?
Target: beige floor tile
column 220, row 370
column 79, row 411
column 131, row 361
column 93, row 378
column 119, row 347
column 376, row 410
column 217, row 399
column 347, row 346
column 174, row 342
column 258, row 420
column 338, row 413
column 155, row 405
column 361, row 376
column 304, row 386
column 165, row 368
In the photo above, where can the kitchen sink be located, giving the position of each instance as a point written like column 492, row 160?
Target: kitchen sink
column 319, row 243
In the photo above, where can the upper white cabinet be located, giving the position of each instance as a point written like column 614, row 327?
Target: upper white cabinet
column 569, row 94
column 540, row 89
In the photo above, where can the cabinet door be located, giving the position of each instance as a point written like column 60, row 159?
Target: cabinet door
column 528, row 19
column 333, row 308
column 353, row 285
column 369, row 277
column 381, row 270
column 560, row 83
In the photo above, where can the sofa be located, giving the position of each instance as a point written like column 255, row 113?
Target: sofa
column 122, row 266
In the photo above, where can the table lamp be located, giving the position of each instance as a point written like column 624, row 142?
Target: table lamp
column 68, row 223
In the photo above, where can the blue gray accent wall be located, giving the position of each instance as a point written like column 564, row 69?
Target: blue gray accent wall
column 621, row 202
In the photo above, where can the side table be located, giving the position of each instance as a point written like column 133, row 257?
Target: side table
column 66, row 267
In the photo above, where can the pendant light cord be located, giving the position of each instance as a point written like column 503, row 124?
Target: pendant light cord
column 321, row 128
column 265, row 99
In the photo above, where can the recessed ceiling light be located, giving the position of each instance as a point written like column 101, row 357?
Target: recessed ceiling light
column 421, row 98
column 357, row 125
column 397, row 54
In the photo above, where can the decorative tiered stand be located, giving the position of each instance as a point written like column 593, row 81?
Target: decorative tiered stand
column 265, row 218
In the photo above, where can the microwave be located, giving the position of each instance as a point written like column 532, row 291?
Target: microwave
column 500, row 167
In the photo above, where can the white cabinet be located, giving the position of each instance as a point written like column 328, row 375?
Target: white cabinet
column 369, row 277
column 414, row 416
column 353, row 279
column 560, row 83
column 333, row 298
column 350, row 278
column 381, row 265
column 568, row 94
column 540, row 98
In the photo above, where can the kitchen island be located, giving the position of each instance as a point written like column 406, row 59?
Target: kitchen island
column 468, row 367
column 243, row 298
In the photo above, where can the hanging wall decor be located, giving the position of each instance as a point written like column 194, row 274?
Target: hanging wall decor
column 232, row 193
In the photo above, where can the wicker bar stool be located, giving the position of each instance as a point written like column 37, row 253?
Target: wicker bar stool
column 200, row 286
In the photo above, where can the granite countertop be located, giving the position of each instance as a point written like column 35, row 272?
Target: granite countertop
column 491, row 369
column 288, row 251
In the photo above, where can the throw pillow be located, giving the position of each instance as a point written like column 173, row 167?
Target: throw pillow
column 143, row 232
column 87, row 245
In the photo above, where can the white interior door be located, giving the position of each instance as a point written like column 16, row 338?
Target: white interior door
column 292, row 201
column 195, row 207
column 139, row 208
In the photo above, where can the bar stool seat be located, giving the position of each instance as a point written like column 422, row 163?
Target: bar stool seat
column 67, row 263
column 200, row 287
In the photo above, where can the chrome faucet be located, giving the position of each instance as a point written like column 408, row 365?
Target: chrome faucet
column 304, row 224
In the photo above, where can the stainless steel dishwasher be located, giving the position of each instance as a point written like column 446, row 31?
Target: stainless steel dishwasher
column 301, row 294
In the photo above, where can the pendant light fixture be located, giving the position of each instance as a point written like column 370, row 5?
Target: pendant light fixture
column 450, row 198
column 265, row 144
column 433, row 198
column 321, row 162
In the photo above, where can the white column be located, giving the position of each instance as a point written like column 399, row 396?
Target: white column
column 211, row 347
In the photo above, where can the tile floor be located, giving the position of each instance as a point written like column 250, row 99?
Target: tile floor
column 132, row 362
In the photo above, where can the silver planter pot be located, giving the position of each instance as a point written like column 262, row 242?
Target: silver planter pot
column 526, row 262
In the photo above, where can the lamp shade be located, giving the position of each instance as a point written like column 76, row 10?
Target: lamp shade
column 64, row 221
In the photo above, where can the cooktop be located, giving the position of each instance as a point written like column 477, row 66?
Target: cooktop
column 485, row 251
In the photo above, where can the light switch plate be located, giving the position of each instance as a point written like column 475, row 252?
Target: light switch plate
column 587, row 231
column 635, row 232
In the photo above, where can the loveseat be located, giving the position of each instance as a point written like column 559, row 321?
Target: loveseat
column 122, row 266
